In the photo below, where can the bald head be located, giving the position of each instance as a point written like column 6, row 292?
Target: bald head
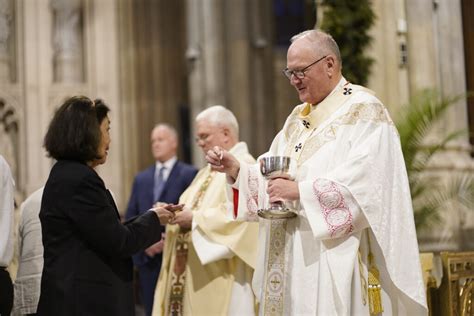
column 317, row 55
column 320, row 42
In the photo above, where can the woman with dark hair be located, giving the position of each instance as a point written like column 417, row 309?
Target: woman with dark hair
column 87, row 250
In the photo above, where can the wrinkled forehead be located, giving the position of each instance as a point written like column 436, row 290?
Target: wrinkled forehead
column 206, row 127
column 301, row 50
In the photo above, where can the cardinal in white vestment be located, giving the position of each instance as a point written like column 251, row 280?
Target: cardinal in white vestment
column 352, row 248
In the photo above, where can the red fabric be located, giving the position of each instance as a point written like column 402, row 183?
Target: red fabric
column 236, row 201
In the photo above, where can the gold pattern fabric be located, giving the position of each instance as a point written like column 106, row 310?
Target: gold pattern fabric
column 370, row 112
column 275, row 271
column 178, row 274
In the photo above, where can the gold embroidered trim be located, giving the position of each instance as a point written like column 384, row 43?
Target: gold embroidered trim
column 363, row 281
column 202, row 190
column 275, row 272
column 370, row 112
column 178, row 274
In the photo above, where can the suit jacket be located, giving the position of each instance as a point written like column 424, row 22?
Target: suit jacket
column 141, row 199
column 87, row 250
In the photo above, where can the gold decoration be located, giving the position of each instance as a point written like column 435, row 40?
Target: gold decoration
column 375, row 289
column 178, row 274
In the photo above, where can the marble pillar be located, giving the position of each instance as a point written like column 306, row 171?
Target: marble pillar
column 206, row 64
column 421, row 43
column 389, row 74
column 68, row 40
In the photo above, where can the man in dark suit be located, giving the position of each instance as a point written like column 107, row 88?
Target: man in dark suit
column 162, row 182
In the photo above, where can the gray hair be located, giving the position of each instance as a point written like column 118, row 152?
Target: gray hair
column 219, row 115
column 321, row 40
column 170, row 128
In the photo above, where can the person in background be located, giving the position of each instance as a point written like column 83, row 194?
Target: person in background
column 163, row 182
column 30, row 264
column 88, row 268
column 352, row 248
column 208, row 259
column 7, row 186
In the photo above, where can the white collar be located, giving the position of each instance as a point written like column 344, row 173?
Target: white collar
column 168, row 164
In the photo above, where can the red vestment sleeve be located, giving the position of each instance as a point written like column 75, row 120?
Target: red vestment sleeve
column 236, row 201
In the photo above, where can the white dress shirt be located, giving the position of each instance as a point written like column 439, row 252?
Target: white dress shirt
column 168, row 164
column 30, row 266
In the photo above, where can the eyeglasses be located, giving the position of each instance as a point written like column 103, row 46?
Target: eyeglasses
column 300, row 74
column 202, row 137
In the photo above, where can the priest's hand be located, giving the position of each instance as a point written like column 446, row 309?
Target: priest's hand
column 281, row 189
column 166, row 212
column 183, row 218
column 223, row 161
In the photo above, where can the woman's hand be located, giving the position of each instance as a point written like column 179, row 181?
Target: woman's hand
column 166, row 212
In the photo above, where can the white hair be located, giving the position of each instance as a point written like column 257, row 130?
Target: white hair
column 321, row 40
column 219, row 116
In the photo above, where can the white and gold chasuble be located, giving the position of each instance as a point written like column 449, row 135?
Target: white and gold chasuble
column 353, row 186
column 208, row 270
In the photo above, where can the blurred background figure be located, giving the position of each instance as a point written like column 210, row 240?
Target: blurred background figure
column 6, row 237
column 30, row 264
column 88, row 267
column 163, row 182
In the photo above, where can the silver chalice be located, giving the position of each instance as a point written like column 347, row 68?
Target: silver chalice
column 276, row 167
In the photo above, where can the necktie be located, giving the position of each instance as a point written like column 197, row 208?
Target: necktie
column 159, row 184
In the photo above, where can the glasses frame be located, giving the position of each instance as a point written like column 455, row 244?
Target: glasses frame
column 300, row 73
column 202, row 138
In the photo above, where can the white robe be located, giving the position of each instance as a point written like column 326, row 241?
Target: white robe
column 30, row 264
column 353, row 183
column 7, row 187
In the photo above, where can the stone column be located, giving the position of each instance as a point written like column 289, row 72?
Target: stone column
column 389, row 36
column 205, row 55
column 455, row 161
column 422, row 59
column 5, row 35
column 263, row 75
column 67, row 41
column 451, row 64
column 237, row 58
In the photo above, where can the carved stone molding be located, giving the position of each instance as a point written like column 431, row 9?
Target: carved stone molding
column 6, row 15
column 68, row 40
column 9, row 135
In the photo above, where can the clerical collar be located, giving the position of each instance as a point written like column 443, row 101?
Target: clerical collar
column 339, row 85
column 168, row 164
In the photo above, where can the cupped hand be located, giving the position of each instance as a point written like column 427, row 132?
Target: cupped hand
column 183, row 218
column 166, row 212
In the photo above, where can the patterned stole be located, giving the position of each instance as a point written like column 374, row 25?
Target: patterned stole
column 275, row 269
column 178, row 273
